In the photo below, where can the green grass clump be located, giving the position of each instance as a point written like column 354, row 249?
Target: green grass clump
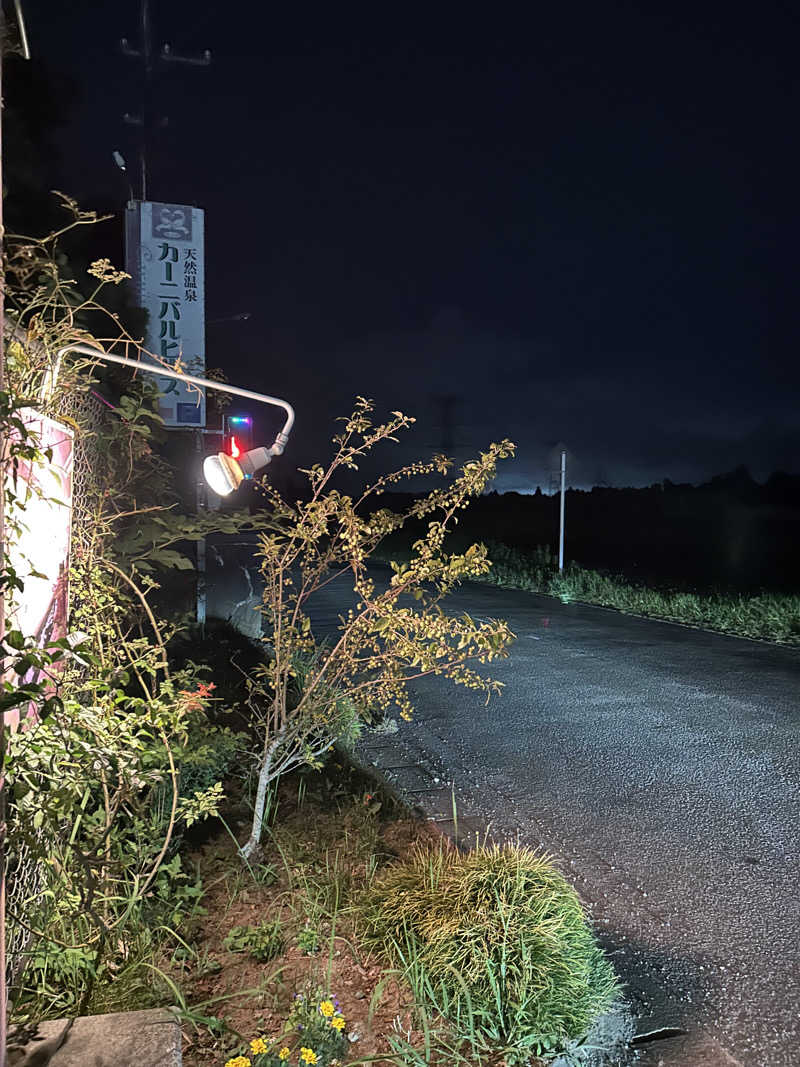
column 498, row 941
column 263, row 942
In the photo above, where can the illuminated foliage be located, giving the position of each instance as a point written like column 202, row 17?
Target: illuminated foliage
column 309, row 693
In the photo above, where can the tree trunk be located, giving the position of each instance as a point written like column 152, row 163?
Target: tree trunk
column 264, row 776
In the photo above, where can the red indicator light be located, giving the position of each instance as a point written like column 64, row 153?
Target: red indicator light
column 235, row 450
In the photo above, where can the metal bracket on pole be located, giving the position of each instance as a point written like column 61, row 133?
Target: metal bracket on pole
column 281, row 438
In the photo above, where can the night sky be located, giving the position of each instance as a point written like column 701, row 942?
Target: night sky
column 577, row 225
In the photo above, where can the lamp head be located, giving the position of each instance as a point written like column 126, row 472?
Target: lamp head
column 224, row 474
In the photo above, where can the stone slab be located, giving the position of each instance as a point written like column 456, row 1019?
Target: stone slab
column 29, row 1046
column 149, row 1038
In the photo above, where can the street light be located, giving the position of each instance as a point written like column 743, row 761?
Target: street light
column 225, row 473
column 222, row 472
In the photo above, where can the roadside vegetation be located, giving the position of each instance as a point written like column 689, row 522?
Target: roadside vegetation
column 303, row 950
column 176, row 833
column 496, row 942
column 766, row 616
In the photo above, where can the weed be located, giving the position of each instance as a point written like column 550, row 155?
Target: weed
column 308, row 940
column 265, row 874
column 263, row 942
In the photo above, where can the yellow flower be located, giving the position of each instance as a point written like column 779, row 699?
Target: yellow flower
column 307, row 1055
column 327, row 1008
column 238, row 1061
column 337, row 1022
column 284, row 1053
column 258, row 1044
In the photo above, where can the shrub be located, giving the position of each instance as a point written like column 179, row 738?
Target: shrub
column 210, row 755
column 309, row 695
column 498, row 940
column 226, row 655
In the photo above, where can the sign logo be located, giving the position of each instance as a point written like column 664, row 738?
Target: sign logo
column 172, row 221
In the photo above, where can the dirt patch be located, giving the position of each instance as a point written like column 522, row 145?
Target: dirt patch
column 328, row 836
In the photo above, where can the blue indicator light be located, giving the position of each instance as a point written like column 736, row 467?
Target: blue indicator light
column 239, row 418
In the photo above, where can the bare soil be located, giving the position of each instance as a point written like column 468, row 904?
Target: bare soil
column 328, row 834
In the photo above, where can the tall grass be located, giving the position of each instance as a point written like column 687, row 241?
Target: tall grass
column 496, row 942
column 767, row 616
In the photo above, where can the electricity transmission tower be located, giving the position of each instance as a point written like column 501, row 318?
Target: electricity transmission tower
column 447, row 444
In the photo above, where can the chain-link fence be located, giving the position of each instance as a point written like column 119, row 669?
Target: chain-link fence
column 26, row 854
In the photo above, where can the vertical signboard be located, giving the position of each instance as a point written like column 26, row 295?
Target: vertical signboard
column 38, row 548
column 164, row 254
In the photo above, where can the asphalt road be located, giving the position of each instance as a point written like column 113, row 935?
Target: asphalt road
column 660, row 765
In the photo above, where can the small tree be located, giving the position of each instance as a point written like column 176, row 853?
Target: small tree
column 308, row 694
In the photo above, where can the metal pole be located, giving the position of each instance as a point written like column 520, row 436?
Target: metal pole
column 164, row 372
column 199, row 492
column 3, row 989
column 561, row 523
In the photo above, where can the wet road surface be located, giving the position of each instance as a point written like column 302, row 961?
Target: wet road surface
column 661, row 767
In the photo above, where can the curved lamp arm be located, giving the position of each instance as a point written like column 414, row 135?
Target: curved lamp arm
column 163, row 372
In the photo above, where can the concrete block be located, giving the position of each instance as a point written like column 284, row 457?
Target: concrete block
column 435, row 803
column 32, row 1046
column 467, row 833
column 149, row 1038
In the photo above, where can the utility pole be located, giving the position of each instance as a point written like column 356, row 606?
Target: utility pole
column 148, row 120
column 561, row 522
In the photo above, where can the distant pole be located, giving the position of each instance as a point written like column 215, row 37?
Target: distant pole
column 561, row 523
